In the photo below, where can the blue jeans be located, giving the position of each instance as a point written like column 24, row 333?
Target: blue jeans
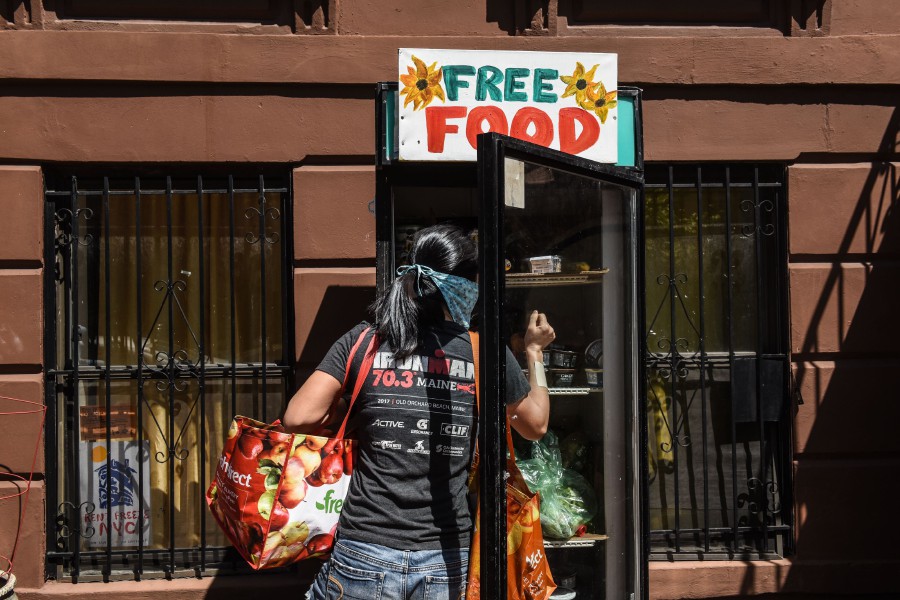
column 366, row 571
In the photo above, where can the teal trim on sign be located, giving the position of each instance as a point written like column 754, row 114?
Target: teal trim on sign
column 390, row 126
column 625, row 110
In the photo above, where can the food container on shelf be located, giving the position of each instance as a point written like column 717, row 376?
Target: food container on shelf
column 593, row 354
column 564, row 579
column 547, row 355
column 594, row 377
column 562, row 377
column 563, row 359
column 545, row 264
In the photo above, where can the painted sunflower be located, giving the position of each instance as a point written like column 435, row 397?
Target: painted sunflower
column 579, row 83
column 598, row 101
column 422, row 84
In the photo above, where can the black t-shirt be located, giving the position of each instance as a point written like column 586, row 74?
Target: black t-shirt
column 414, row 422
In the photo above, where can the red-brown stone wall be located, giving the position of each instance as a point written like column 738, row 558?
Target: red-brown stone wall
column 21, row 381
column 843, row 270
column 816, row 90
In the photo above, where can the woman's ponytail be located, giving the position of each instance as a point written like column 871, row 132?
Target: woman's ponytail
column 413, row 301
column 397, row 315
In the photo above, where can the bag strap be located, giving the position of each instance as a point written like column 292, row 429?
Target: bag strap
column 473, row 468
column 476, row 351
column 476, row 348
column 365, row 368
column 350, row 358
column 353, row 349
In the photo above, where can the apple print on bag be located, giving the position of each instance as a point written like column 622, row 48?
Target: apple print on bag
column 278, row 496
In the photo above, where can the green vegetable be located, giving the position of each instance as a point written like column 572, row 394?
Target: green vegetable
column 567, row 499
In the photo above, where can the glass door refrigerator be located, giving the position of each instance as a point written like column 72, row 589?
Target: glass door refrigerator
column 559, row 234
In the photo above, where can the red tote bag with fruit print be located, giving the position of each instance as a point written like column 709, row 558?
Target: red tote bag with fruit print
column 277, row 495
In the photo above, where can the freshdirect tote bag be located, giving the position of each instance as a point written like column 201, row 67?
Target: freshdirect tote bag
column 528, row 572
column 277, row 495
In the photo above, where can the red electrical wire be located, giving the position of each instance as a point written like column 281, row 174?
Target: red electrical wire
column 43, row 411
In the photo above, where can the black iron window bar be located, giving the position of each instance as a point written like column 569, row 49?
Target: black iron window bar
column 754, row 496
column 74, row 232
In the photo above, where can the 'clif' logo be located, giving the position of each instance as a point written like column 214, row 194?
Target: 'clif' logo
column 455, row 430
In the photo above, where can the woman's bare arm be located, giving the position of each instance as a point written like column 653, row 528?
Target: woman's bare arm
column 530, row 416
column 313, row 405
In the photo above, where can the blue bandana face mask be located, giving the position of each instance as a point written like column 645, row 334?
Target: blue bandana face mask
column 460, row 294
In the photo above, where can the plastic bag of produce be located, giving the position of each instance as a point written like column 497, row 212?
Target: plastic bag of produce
column 574, row 449
column 567, row 499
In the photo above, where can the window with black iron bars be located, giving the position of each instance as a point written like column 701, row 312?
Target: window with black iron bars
column 168, row 307
column 716, row 366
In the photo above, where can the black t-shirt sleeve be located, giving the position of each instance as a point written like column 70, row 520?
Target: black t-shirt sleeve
column 516, row 385
column 335, row 361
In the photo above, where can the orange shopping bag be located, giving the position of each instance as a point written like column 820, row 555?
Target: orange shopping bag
column 528, row 572
column 277, row 495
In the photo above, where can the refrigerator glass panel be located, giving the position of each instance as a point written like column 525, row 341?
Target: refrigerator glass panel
column 567, row 250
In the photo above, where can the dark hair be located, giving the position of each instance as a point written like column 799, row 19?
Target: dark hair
column 401, row 313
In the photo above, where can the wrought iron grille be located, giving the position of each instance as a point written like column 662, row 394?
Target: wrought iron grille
column 716, row 366
column 167, row 313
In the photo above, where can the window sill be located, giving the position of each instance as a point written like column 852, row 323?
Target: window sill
column 714, row 579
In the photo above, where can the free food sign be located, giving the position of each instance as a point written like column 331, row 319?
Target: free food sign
column 561, row 100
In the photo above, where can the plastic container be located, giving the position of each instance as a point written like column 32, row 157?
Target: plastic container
column 545, row 264
column 594, row 378
column 563, row 593
column 562, row 377
column 593, row 355
column 564, row 579
column 563, row 359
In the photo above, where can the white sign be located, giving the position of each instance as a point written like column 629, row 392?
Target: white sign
column 561, row 100
column 115, row 486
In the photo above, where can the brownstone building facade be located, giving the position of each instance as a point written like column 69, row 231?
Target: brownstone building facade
column 194, row 100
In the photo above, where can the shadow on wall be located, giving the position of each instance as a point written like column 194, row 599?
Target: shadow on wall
column 516, row 16
column 846, row 370
column 341, row 308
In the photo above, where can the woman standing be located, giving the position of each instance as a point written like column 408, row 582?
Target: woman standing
column 405, row 526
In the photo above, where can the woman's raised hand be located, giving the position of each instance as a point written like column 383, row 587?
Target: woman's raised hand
column 539, row 333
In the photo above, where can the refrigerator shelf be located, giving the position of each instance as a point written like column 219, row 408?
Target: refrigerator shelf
column 554, row 279
column 573, row 391
column 587, row 540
